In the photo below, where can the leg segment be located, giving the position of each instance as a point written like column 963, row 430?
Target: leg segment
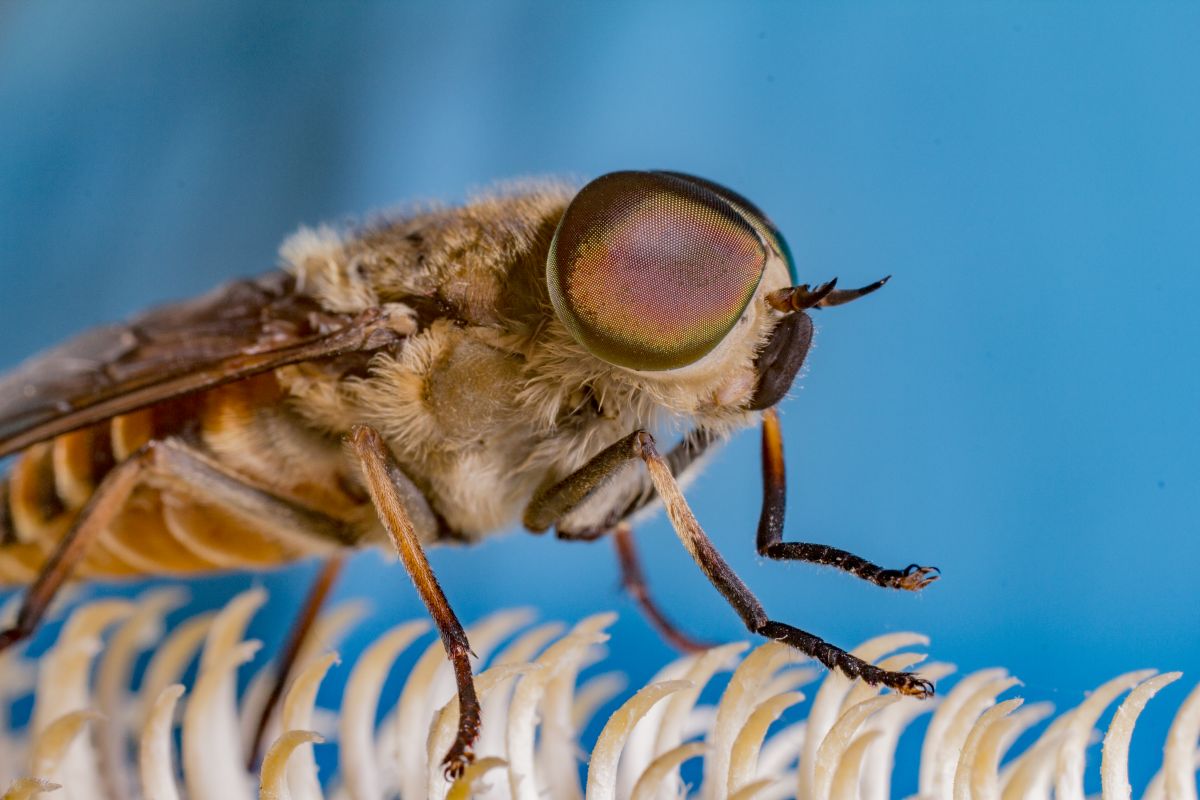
column 93, row 519
column 553, row 503
column 313, row 603
column 207, row 479
column 8, row 533
column 681, row 459
column 743, row 601
column 550, row 505
column 770, row 526
column 634, row 582
column 197, row 473
column 377, row 463
column 559, row 499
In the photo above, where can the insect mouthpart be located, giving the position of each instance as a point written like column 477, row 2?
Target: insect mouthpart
column 780, row 360
column 778, row 363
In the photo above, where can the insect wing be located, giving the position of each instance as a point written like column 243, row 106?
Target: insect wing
column 240, row 329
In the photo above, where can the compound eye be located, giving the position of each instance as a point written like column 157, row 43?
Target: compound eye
column 650, row 271
column 753, row 215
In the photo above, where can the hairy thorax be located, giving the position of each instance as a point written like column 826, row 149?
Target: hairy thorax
column 492, row 398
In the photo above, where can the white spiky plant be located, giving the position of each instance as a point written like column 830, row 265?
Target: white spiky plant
column 92, row 736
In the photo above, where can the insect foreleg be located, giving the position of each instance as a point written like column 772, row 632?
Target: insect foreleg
column 770, row 526
column 377, row 465
column 552, row 505
column 683, row 458
column 739, row 595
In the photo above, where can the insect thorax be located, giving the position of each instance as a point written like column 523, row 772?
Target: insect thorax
column 493, row 398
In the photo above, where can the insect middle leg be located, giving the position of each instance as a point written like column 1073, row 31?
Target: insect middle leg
column 770, row 526
column 380, row 471
column 569, row 492
column 638, row 493
column 633, row 580
column 302, row 626
column 195, row 472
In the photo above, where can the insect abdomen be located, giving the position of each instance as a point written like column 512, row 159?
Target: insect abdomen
column 160, row 530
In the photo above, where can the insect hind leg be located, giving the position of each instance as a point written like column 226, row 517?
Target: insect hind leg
column 770, row 527
column 100, row 510
column 195, row 472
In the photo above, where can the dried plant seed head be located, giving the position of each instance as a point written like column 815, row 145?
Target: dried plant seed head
column 845, row 746
column 651, row 270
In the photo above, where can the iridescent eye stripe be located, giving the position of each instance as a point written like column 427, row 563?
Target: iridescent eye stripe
column 651, row 271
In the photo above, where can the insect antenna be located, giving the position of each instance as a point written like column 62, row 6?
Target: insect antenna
column 798, row 298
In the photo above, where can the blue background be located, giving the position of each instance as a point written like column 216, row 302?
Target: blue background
column 1019, row 406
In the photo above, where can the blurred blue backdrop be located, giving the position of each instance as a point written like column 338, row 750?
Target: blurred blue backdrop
column 1019, row 406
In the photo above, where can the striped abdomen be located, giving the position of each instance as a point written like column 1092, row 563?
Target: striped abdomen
column 163, row 528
